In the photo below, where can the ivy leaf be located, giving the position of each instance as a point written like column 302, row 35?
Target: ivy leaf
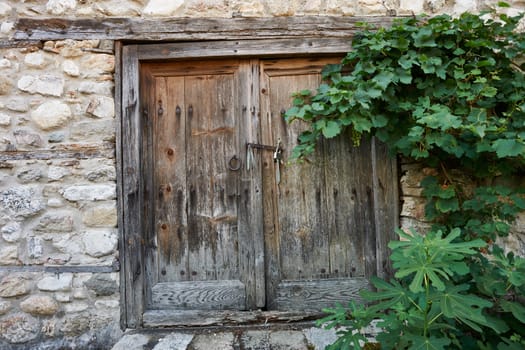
column 447, row 205
column 508, row 148
column 331, row 129
column 384, row 79
column 424, row 38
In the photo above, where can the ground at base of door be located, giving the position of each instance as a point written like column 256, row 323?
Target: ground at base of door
column 309, row 338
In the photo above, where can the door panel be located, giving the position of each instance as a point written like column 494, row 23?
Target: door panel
column 196, row 193
column 318, row 217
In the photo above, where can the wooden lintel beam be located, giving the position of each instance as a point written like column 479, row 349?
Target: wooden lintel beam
column 186, row 29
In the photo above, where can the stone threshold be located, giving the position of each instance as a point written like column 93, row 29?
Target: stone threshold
column 294, row 336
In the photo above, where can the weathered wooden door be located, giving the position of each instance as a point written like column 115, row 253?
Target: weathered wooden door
column 223, row 235
column 200, row 250
column 319, row 215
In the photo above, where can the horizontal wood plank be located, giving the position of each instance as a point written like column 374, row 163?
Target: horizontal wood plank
column 77, row 151
column 316, row 295
column 190, row 318
column 191, row 28
column 245, row 48
column 201, row 295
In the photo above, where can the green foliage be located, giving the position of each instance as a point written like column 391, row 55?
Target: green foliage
column 439, row 299
column 449, row 93
column 436, row 88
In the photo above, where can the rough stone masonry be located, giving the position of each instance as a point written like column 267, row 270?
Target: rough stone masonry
column 58, row 211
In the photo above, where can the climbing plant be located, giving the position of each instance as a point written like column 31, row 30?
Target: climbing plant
column 449, row 93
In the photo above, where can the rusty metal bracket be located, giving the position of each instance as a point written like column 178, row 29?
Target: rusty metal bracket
column 259, row 146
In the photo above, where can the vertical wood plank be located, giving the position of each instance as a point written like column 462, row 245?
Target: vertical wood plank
column 147, row 102
column 346, row 175
column 119, row 164
column 251, row 240
column 386, row 199
column 270, row 207
column 132, row 196
column 170, row 179
column 213, row 187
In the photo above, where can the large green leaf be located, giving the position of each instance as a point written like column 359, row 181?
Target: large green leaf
column 509, row 148
column 466, row 308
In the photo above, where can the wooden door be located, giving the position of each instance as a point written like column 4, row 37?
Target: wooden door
column 199, row 256
column 224, row 236
column 319, row 215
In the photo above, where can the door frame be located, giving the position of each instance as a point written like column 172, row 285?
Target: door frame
column 133, row 186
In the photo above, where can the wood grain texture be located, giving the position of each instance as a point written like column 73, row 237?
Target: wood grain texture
column 77, row 151
column 123, row 284
column 319, row 218
column 246, row 48
column 132, row 190
column 192, row 28
column 316, row 235
column 200, row 230
column 387, row 207
column 318, row 294
column 188, row 318
column 200, row 295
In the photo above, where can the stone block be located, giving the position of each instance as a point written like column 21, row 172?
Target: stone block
column 102, row 285
column 39, row 305
column 5, row 85
column 35, row 247
column 255, row 340
column 99, row 130
column 101, row 107
column 71, row 68
column 320, row 338
column 75, row 307
column 54, row 283
column 9, row 255
column 5, row 306
column 19, row 328
column 288, row 340
column 44, row 84
column 5, row 9
column 90, row 193
column 102, row 173
column 55, row 223
column 95, row 64
column 98, row 88
column 21, row 202
column 162, row 8
column 17, row 104
column 56, row 173
column 14, row 285
column 51, row 115
column 26, row 140
column 59, row 7
column 28, row 175
column 11, row 232
column 104, row 215
column 99, row 243
column 220, row 341
column 174, row 341
column 132, row 342
column 5, row 119
column 36, row 60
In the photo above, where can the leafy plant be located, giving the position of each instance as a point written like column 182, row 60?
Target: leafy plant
column 449, row 93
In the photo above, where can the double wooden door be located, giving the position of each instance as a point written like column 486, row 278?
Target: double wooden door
column 228, row 227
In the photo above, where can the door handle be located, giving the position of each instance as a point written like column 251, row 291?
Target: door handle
column 235, row 163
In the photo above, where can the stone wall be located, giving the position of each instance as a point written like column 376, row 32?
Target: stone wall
column 58, row 215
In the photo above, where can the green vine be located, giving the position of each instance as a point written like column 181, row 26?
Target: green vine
column 449, row 93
